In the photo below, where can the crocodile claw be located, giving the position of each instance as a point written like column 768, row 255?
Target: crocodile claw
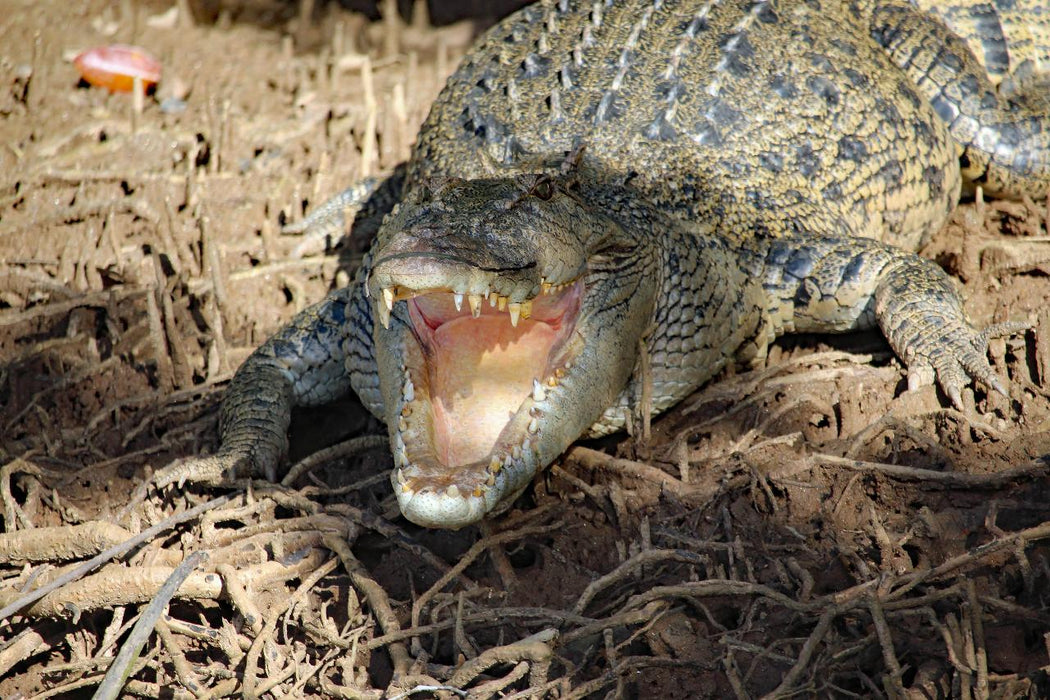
column 957, row 358
column 371, row 198
column 325, row 226
column 217, row 469
column 922, row 317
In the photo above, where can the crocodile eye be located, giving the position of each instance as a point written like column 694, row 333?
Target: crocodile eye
column 544, row 189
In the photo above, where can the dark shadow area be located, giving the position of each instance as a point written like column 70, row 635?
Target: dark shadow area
column 273, row 14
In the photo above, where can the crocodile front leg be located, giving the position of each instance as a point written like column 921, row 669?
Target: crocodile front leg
column 829, row 285
column 921, row 314
column 304, row 364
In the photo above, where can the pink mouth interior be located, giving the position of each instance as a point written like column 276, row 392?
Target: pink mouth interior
column 480, row 370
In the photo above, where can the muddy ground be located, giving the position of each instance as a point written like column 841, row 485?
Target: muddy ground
column 805, row 528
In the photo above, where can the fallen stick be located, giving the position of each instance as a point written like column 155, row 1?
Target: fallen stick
column 60, row 543
column 111, row 553
column 595, row 460
column 537, row 649
column 115, row 586
column 346, row 448
column 1035, row 467
column 120, row 669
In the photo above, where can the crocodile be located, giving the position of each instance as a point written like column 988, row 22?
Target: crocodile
column 610, row 202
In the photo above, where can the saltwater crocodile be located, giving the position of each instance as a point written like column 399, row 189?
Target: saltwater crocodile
column 675, row 180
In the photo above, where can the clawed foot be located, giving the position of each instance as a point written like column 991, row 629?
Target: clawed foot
column 922, row 316
column 958, row 358
column 215, row 470
column 321, row 230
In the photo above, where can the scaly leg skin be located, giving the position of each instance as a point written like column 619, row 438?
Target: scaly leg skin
column 829, row 284
column 305, row 362
column 366, row 201
column 302, row 365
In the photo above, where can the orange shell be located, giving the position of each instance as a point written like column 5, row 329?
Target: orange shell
column 115, row 67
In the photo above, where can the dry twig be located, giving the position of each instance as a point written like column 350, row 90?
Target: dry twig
column 120, row 670
column 111, row 553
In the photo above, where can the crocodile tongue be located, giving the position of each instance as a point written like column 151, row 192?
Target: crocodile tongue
column 480, row 372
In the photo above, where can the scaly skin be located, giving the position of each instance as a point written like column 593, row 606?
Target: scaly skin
column 697, row 177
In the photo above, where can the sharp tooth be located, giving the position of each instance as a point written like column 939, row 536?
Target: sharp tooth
column 526, row 309
column 516, row 452
column 490, row 480
column 515, row 312
column 409, row 392
column 452, row 491
column 388, row 298
column 406, row 410
column 384, row 315
column 552, row 382
column 534, row 426
column 538, row 394
column 402, row 424
column 508, row 462
column 559, row 372
column 492, row 298
column 475, row 304
column 495, row 465
column 501, row 303
column 458, row 298
column 401, row 477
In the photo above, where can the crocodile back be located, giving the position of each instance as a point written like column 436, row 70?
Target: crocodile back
column 756, row 117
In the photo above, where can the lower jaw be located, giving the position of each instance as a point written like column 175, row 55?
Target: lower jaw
column 454, row 508
column 419, row 465
column 434, row 494
column 442, row 485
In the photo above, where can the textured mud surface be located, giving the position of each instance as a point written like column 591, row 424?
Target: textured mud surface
column 808, row 527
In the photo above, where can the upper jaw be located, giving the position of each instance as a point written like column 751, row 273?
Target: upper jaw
column 416, row 261
column 476, row 240
column 469, row 287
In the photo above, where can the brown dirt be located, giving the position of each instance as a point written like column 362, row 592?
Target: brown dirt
column 806, row 527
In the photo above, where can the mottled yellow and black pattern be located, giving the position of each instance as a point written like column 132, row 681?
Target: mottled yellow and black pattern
column 716, row 173
column 788, row 115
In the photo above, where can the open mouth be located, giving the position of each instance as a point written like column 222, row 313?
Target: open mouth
column 479, row 371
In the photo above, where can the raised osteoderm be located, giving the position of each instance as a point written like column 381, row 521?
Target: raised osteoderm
column 688, row 179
